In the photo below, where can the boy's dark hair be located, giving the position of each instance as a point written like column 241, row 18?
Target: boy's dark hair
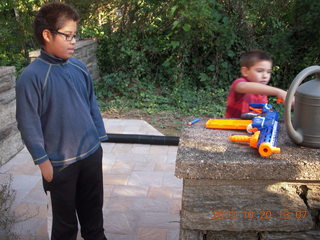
column 52, row 16
column 250, row 58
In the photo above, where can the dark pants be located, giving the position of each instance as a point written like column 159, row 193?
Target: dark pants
column 77, row 189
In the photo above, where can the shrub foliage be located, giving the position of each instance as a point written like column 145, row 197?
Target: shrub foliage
column 178, row 54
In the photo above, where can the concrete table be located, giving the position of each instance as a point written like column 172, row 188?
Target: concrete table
column 230, row 192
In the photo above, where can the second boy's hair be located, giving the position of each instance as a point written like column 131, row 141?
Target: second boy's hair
column 53, row 16
column 250, row 58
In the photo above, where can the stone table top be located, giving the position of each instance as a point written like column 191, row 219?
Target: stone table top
column 208, row 154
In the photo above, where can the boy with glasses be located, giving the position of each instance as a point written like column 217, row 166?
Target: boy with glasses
column 61, row 125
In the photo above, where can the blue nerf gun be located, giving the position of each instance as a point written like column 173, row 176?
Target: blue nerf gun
column 265, row 126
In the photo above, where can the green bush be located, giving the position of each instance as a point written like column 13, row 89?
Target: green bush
column 183, row 49
column 16, row 33
column 172, row 51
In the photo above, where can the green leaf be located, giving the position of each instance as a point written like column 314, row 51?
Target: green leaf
column 175, row 24
column 172, row 10
column 175, row 44
column 186, row 27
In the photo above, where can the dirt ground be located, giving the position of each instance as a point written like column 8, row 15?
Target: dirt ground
column 168, row 123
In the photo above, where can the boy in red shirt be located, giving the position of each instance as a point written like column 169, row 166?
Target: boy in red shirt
column 256, row 67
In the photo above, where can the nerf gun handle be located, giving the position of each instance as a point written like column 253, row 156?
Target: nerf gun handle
column 265, row 149
column 253, row 140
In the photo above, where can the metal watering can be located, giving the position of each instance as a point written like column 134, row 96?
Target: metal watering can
column 305, row 129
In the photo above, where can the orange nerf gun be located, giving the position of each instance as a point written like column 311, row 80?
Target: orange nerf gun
column 265, row 127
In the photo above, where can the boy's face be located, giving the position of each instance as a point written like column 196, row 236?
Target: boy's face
column 58, row 44
column 259, row 72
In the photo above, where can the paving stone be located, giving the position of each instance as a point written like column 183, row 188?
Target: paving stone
column 36, row 195
column 140, row 148
column 164, row 167
column 122, row 148
column 172, row 149
column 169, row 180
column 107, row 190
column 131, row 157
column 107, row 147
column 152, row 234
column 115, row 179
column 175, row 206
column 145, row 179
column 151, row 205
column 42, row 231
column 24, row 182
column 25, row 227
column 119, row 204
column 121, row 168
column 143, row 166
column 19, row 197
column 27, row 210
column 171, row 157
column 120, row 222
column 160, row 193
column 23, row 157
column 121, row 236
column 106, row 168
column 157, row 157
column 109, row 158
column 156, row 149
column 177, row 192
column 130, row 129
column 25, row 169
column 129, row 191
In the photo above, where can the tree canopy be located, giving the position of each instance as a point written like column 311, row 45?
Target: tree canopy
column 149, row 48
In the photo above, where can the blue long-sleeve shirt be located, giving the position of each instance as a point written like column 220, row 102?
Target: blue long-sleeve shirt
column 57, row 112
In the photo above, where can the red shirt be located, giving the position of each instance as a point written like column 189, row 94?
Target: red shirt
column 238, row 103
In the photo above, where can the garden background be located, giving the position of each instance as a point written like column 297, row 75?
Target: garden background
column 176, row 57
column 168, row 61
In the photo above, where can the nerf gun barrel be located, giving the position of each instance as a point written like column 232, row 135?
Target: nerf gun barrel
column 228, row 124
column 240, row 124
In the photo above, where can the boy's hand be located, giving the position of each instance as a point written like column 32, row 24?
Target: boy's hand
column 46, row 170
column 282, row 95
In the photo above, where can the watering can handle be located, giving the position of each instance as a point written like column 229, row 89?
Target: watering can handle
column 296, row 134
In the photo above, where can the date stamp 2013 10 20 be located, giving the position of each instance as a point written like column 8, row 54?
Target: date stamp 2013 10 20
column 258, row 214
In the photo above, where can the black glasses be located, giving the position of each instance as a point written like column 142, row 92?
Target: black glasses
column 68, row 37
